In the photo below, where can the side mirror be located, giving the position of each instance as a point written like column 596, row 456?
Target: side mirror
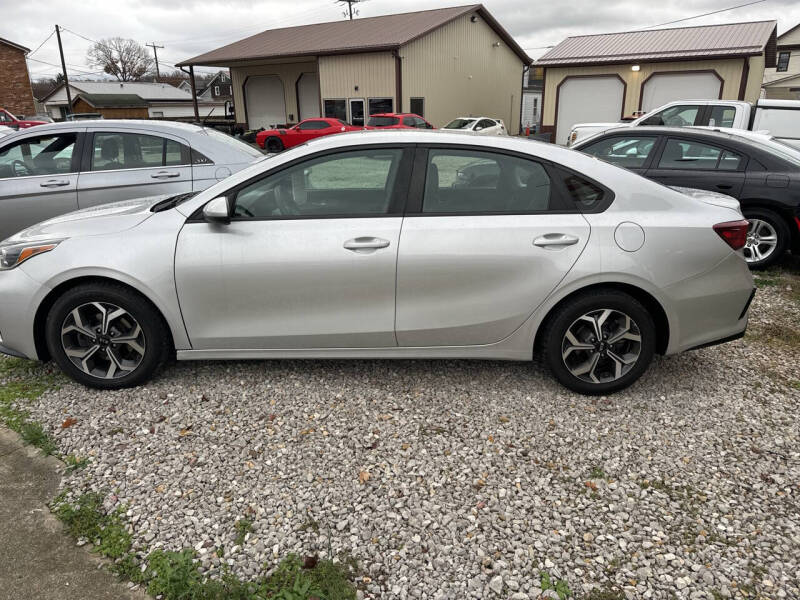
column 217, row 211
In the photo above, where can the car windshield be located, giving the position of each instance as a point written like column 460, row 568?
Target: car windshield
column 459, row 124
column 234, row 143
column 383, row 121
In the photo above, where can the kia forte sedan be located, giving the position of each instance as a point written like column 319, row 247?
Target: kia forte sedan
column 52, row 169
column 367, row 245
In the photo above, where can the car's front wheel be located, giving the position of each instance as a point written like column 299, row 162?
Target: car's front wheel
column 273, row 145
column 599, row 342
column 106, row 336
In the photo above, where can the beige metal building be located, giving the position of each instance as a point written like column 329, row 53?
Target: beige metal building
column 440, row 64
column 607, row 77
column 783, row 82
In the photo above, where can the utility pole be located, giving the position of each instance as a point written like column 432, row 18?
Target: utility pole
column 349, row 6
column 64, row 68
column 155, row 53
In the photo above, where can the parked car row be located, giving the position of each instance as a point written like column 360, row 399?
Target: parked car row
column 279, row 139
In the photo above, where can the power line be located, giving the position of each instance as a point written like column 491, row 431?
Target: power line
column 42, row 44
column 44, row 62
column 713, row 12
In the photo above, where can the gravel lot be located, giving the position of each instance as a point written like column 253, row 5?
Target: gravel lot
column 466, row 479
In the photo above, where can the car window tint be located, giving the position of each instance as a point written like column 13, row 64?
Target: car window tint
column 420, row 123
column 463, row 181
column 484, row 123
column 409, row 121
column 42, row 155
column 629, row 152
column 585, row 194
column 126, row 151
column 342, row 184
column 730, row 161
column 722, row 116
column 683, row 154
column 312, row 125
column 681, row 115
column 175, row 153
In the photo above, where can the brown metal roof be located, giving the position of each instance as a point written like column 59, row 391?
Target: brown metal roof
column 680, row 43
column 370, row 34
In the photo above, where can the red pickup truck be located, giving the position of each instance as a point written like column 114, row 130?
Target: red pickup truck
column 9, row 120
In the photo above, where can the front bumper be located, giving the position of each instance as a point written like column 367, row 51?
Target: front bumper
column 19, row 297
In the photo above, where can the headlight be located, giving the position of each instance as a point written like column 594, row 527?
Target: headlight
column 12, row 255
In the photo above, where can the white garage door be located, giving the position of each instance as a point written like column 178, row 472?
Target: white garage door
column 666, row 87
column 308, row 96
column 587, row 100
column 266, row 106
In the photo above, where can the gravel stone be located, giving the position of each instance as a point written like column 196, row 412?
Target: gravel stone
column 409, row 467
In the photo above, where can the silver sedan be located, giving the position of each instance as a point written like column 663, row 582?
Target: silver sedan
column 50, row 170
column 368, row 245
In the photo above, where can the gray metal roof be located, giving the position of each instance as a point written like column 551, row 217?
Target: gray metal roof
column 342, row 37
column 680, row 43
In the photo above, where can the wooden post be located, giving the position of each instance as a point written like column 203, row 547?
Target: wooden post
column 194, row 94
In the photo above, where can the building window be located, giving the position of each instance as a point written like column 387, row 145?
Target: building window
column 418, row 106
column 216, row 90
column 335, row 108
column 158, row 113
column 380, row 105
column 783, row 61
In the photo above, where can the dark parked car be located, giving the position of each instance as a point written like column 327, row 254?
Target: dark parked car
column 762, row 172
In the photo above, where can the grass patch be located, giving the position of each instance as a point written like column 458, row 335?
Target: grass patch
column 25, row 380
column 774, row 333
column 559, row 586
column 597, row 473
column 243, row 527
column 172, row 575
column 75, row 463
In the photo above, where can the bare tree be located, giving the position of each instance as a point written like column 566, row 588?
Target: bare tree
column 127, row 60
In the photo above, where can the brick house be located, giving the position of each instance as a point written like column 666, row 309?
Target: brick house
column 16, row 95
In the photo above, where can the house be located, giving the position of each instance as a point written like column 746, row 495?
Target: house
column 532, row 98
column 155, row 100
column 437, row 63
column 783, row 81
column 608, row 76
column 16, row 95
column 217, row 89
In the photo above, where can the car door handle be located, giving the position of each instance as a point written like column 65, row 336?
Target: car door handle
column 165, row 175
column 51, row 183
column 555, row 239
column 724, row 186
column 365, row 243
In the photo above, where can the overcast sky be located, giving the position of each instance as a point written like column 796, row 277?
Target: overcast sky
column 190, row 27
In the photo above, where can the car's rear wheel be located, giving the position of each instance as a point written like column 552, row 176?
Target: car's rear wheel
column 273, row 145
column 767, row 238
column 599, row 342
column 106, row 336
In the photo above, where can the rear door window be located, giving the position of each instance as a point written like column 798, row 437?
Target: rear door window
column 467, row 181
column 112, row 150
column 685, row 154
column 722, row 116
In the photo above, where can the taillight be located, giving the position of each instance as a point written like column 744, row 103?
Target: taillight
column 733, row 232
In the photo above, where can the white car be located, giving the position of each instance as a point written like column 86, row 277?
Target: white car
column 477, row 126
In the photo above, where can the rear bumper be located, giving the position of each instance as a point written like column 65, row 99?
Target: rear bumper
column 712, row 307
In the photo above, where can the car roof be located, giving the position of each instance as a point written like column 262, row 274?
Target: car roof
column 391, row 114
column 721, row 133
column 165, row 126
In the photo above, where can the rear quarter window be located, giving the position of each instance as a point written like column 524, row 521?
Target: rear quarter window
column 583, row 194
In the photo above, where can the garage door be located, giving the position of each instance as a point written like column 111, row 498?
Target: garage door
column 266, row 106
column 308, row 96
column 666, row 87
column 587, row 100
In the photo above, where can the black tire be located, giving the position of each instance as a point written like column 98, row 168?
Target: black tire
column 781, row 229
column 567, row 315
column 157, row 344
column 273, row 145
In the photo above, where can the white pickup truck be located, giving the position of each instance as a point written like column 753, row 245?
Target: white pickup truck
column 779, row 118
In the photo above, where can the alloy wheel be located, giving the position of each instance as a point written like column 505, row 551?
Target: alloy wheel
column 601, row 346
column 762, row 239
column 103, row 340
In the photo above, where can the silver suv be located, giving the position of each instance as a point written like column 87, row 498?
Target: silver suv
column 49, row 170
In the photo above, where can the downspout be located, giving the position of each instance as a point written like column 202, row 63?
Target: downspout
column 398, row 76
column 525, row 69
